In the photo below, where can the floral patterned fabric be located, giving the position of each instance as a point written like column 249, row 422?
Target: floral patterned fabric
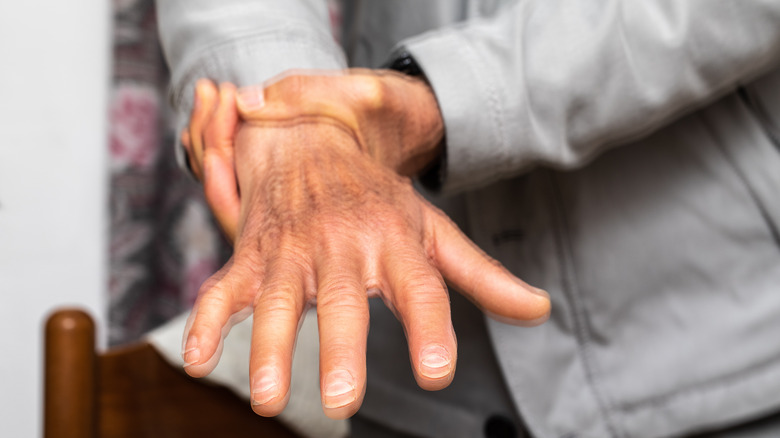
column 164, row 242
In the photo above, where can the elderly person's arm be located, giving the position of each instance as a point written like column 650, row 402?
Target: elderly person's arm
column 325, row 218
column 550, row 83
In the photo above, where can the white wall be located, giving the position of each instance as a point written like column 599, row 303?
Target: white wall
column 54, row 75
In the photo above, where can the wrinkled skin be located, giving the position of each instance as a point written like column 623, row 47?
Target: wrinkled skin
column 310, row 178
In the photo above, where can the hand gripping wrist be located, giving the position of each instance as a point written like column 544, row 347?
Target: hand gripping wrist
column 394, row 118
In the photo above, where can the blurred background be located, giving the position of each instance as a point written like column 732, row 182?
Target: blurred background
column 94, row 212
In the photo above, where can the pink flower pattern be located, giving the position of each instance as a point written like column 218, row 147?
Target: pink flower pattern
column 134, row 126
column 164, row 243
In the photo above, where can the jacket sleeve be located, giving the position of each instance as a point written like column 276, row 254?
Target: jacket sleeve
column 241, row 41
column 555, row 82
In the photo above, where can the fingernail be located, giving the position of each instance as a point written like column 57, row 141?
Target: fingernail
column 541, row 292
column 435, row 362
column 191, row 353
column 265, row 386
column 339, row 389
column 534, row 290
column 251, row 98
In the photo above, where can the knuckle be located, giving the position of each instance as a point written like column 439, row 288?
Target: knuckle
column 332, row 225
column 336, row 235
column 214, row 298
column 204, row 82
column 334, row 248
column 428, row 298
column 227, row 86
column 231, row 289
column 206, row 328
column 371, row 90
column 292, row 86
column 342, row 294
column 209, row 320
column 293, row 256
column 280, row 297
column 423, row 300
column 248, row 259
column 340, row 351
column 396, row 225
column 420, row 285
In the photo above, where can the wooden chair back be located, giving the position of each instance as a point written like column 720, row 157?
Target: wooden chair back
column 133, row 392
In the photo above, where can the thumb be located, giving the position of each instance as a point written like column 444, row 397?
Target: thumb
column 204, row 104
column 250, row 100
column 220, row 184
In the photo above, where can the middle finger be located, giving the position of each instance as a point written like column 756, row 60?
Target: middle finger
column 342, row 314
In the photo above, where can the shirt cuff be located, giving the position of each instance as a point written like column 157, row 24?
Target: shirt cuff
column 249, row 61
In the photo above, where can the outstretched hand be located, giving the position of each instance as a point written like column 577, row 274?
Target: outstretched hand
column 325, row 217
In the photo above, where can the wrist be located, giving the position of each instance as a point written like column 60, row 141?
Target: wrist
column 420, row 122
column 394, row 118
column 284, row 152
column 430, row 161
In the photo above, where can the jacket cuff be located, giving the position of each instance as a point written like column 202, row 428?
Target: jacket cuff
column 248, row 61
column 477, row 150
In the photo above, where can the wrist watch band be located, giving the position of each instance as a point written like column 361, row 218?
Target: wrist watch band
column 406, row 64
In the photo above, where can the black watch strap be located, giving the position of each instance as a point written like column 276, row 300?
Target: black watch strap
column 406, row 64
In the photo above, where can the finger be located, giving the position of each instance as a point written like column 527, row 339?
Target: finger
column 250, row 101
column 277, row 314
column 305, row 95
column 220, row 131
column 204, row 105
column 422, row 304
column 219, row 177
column 184, row 138
column 222, row 301
column 482, row 279
column 342, row 316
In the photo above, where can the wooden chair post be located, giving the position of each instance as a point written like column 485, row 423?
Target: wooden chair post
column 70, row 376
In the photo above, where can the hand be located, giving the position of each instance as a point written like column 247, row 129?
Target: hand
column 381, row 107
column 323, row 220
column 209, row 143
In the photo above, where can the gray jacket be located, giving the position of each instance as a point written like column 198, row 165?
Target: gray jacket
column 623, row 155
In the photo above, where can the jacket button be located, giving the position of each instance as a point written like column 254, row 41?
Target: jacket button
column 499, row 426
